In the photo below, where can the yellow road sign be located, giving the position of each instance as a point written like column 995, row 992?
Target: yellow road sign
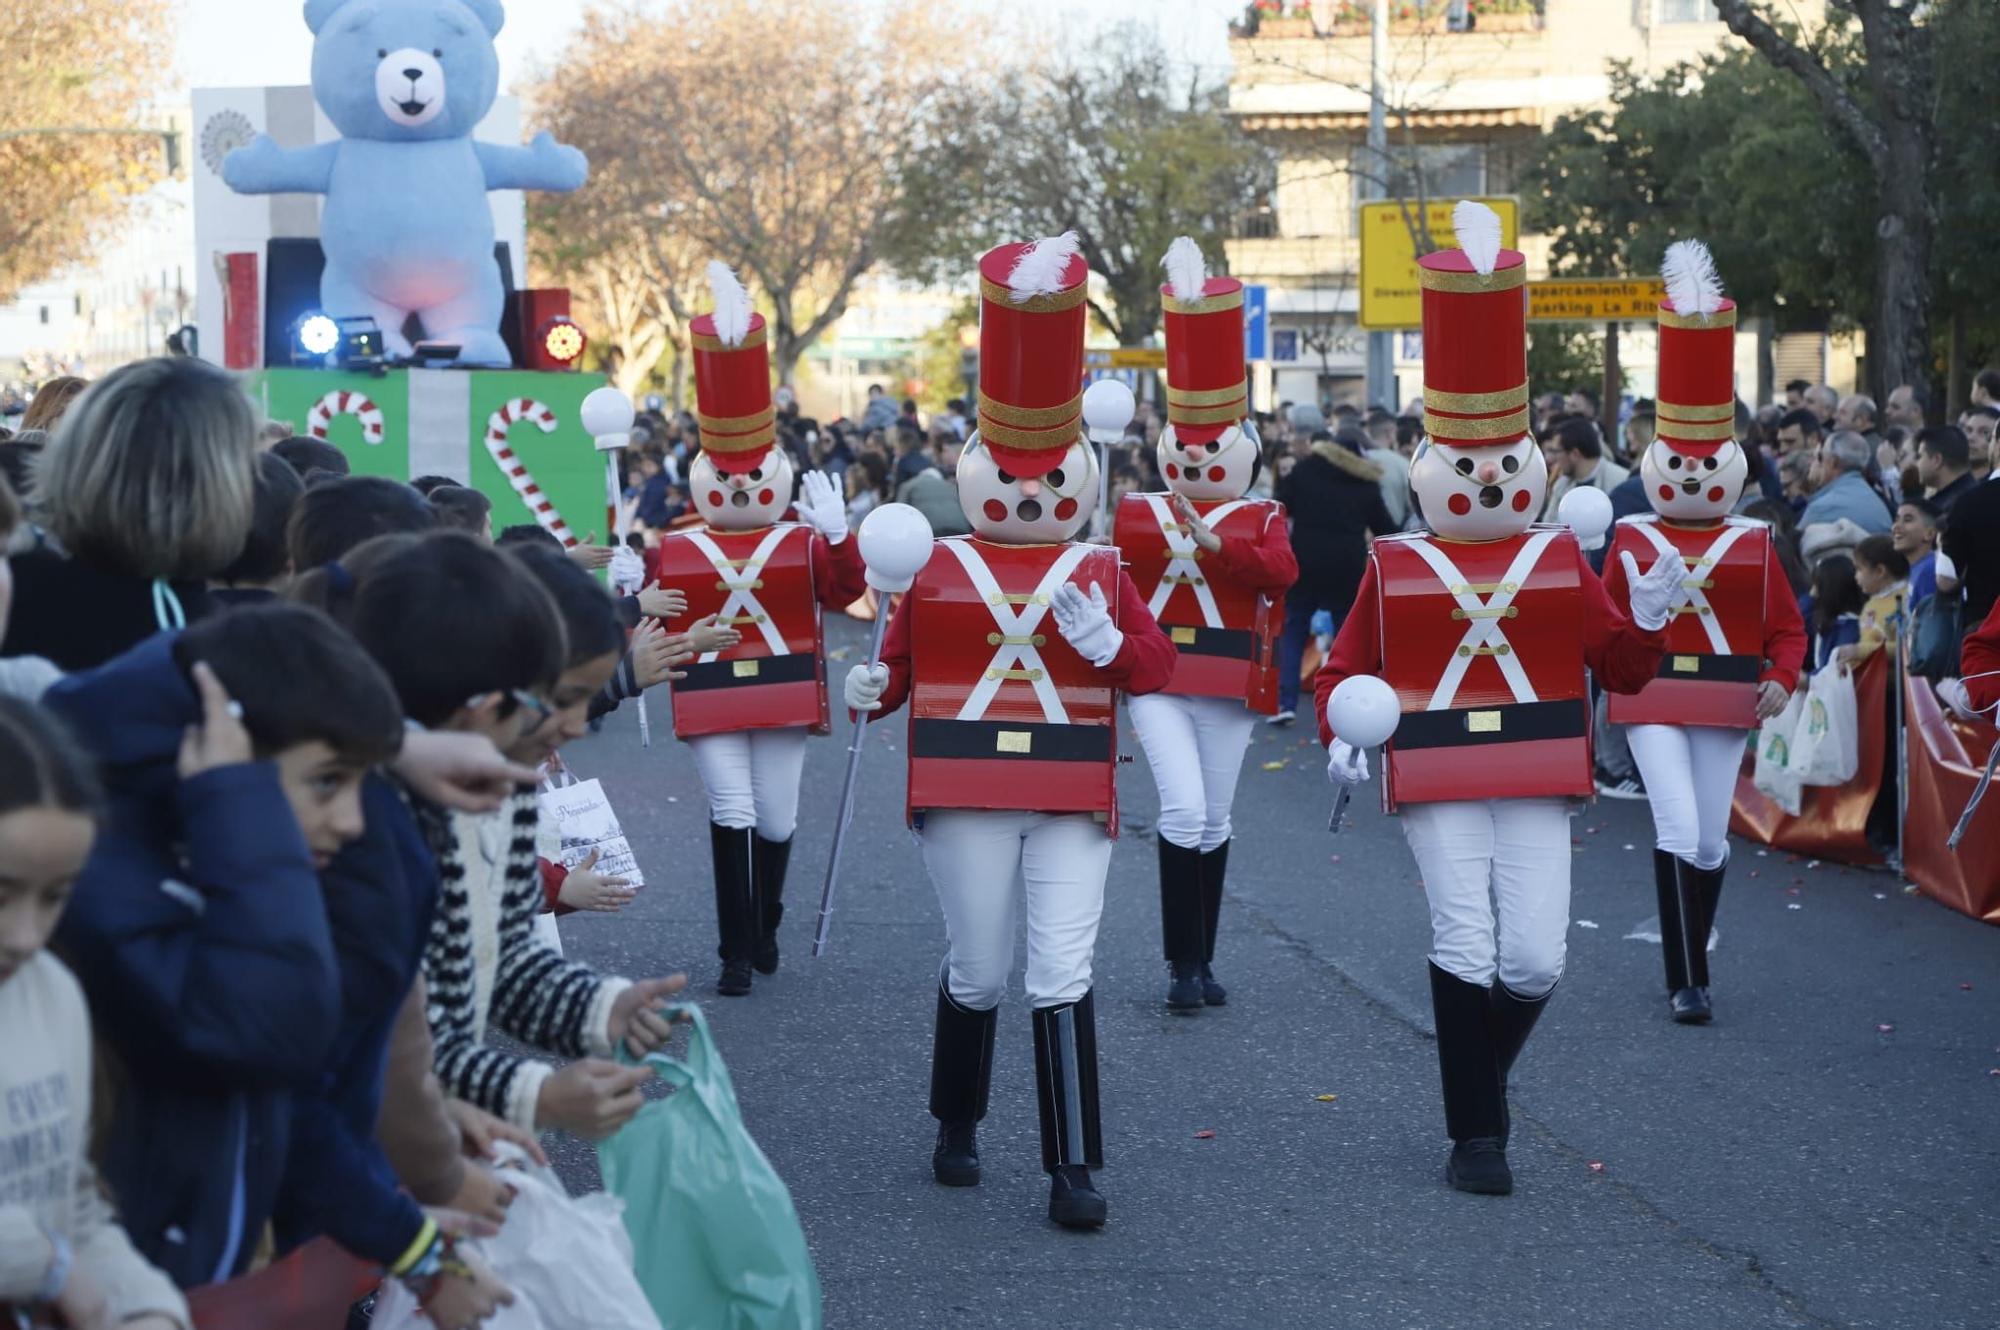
column 1390, row 296
column 1595, row 300
column 1126, row 357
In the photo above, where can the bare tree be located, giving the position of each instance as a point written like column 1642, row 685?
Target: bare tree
column 770, row 134
column 1887, row 111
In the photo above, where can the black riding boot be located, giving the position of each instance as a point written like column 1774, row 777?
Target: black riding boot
column 1511, row 1018
column 1181, row 924
column 961, row 1075
column 1214, row 866
column 1700, row 891
column 773, row 858
column 735, row 905
column 1683, row 939
column 1066, row 1086
column 1475, row 1100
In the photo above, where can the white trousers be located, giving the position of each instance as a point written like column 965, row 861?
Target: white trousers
column 1690, row 774
column 1195, row 747
column 1496, row 872
column 752, row 778
column 981, row 863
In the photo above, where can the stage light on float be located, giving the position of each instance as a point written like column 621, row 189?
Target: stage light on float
column 314, row 337
column 563, row 341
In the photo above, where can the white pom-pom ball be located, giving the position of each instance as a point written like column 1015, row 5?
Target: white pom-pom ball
column 1363, row 711
column 607, row 416
column 1587, row 512
column 896, row 543
column 1108, row 407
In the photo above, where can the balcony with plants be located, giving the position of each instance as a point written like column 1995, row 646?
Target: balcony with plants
column 1279, row 19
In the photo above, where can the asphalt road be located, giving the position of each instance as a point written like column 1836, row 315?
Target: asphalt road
column 1825, row 1154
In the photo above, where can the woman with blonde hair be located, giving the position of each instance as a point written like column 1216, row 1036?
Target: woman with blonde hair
column 146, row 492
column 51, row 401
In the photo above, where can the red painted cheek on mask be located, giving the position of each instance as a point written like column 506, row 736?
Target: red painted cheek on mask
column 1715, row 495
column 1667, row 493
column 1460, row 504
column 765, row 496
column 1065, row 510
column 996, row 511
column 1521, row 501
column 714, row 499
column 1173, row 472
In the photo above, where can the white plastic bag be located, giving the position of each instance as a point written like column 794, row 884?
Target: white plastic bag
column 582, row 815
column 567, row 1260
column 1828, row 749
column 1775, row 740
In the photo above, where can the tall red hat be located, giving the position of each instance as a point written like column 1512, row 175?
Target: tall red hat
column 732, row 377
column 1208, row 389
column 1697, row 399
column 1031, row 324
column 1475, row 335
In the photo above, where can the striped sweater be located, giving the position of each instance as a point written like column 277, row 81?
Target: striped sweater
column 484, row 964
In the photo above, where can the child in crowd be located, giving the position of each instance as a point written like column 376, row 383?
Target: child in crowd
column 264, row 562
column 234, row 754
column 20, row 676
column 61, row 1249
column 1833, row 608
column 1882, row 574
column 460, row 508
column 336, row 515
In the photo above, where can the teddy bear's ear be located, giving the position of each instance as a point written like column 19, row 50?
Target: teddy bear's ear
column 490, row 13
column 319, row 11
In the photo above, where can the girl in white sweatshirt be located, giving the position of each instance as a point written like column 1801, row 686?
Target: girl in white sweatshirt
column 61, row 1249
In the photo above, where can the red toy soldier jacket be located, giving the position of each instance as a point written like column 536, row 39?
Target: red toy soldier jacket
column 769, row 585
column 1223, row 611
column 1004, row 714
column 1736, row 625
column 1486, row 645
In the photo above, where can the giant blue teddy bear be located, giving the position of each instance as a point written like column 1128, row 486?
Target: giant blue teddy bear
column 406, row 227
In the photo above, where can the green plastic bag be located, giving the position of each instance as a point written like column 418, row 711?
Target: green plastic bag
column 717, row 1243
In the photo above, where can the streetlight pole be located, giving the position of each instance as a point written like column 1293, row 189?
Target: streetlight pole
column 1381, row 383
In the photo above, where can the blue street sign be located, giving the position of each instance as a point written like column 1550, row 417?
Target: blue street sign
column 1256, row 323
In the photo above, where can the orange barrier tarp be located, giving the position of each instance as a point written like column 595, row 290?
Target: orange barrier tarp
column 311, row 1289
column 1946, row 758
column 1833, row 824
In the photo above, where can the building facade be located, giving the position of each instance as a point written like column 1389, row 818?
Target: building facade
column 1465, row 107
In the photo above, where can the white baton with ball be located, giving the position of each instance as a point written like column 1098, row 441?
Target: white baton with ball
column 1363, row 713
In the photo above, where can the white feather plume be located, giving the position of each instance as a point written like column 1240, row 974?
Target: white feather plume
column 1693, row 285
column 1478, row 230
column 1187, row 270
column 732, row 304
column 1040, row 269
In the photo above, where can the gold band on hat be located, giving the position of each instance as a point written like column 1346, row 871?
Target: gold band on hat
column 1026, row 417
column 1061, row 300
column 1674, row 429
column 1500, row 279
column 755, row 338
column 1722, row 318
column 1173, row 304
column 739, row 443
column 735, row 424
column 1208, row 415
column 1207, row 396
column 1475, row 404
column 1675, row 411
column 1448, row 428
column 1031, row 441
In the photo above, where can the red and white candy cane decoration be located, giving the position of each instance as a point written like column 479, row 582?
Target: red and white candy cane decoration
column 340, row 402
column 497, row 425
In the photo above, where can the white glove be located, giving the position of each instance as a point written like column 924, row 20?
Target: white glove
column 1085, row 623
column 628, row 570
column 1346, row 764
column 865, row 686
column 821, row 509
column 1654, row 595
column 1952, row 692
